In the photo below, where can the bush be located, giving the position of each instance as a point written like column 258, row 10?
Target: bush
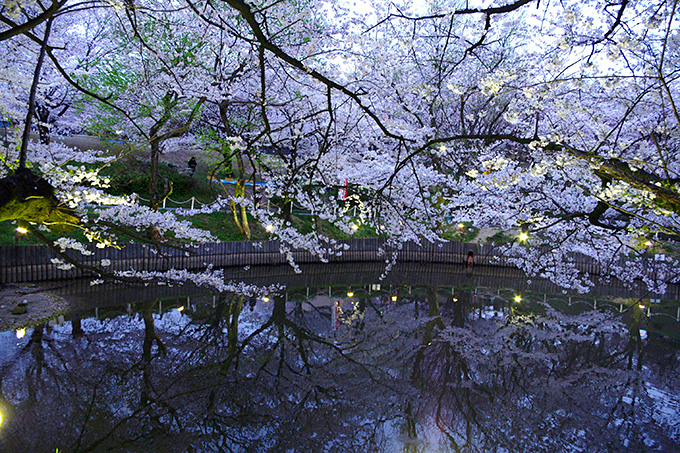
column 132, row 175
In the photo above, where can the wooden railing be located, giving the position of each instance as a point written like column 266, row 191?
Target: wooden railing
column 35, row 263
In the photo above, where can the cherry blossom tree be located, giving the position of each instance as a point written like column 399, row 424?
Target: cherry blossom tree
column 559, row 121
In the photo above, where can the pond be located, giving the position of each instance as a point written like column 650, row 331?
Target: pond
column 427, row 359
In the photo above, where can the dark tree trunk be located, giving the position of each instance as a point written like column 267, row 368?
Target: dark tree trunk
column 31, row 97
column 42, row 114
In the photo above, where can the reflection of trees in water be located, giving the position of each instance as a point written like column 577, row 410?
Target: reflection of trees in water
column 449, row 381
column 142, row 383
column 549, row 383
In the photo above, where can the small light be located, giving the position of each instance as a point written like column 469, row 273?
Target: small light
column 22, row 230
column 355, row 227
column 265, row 299
column 461, row 226
column 523, row 236
column 649, row 243
column 455, row 299
column 0, row 419
column 518, row 299
column 269, row 228
column 642, row 306
column 394, row 298
column 21, row 333
column 350, row 294
column 180, row 308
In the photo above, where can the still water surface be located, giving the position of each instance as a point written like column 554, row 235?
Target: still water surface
column 429, row 359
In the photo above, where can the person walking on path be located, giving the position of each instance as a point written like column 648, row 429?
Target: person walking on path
column 192, row 165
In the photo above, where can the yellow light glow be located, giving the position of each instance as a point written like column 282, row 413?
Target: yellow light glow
column 394, row 298
column 455, row 299
column 269, row 228
column 518, row 299
column 21, row 333
column 0, row 419
column 355, row 226
column 649, row 243
column 642, row 306
column 181, row 308
column 22, row 230
column 350, row 294
column 461, row 226
column 265, row 299
column 523, row 236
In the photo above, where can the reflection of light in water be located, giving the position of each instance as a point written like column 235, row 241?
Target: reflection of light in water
column 20, row 334
column 0, row 418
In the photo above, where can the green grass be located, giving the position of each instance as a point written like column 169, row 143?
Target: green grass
column 9, row 236
column 221, row 225
column 502, row 238
column 454, row 232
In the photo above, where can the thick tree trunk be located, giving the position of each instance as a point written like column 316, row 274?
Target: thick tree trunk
column 31, row 97
column 154, row 199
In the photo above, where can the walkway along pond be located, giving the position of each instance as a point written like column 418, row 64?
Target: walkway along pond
column 33, row 263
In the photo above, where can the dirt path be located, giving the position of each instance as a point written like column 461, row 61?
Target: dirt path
column 484, row 234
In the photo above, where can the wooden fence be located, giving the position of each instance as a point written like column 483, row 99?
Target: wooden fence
column 36, row 263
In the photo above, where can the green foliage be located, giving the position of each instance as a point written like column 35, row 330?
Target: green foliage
column 8, row 235
column 501, row 238
column 182, row 49
column 131, row 175
column 221, row 225
column 219, row 151
column 102, row 126
column 453, row 232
